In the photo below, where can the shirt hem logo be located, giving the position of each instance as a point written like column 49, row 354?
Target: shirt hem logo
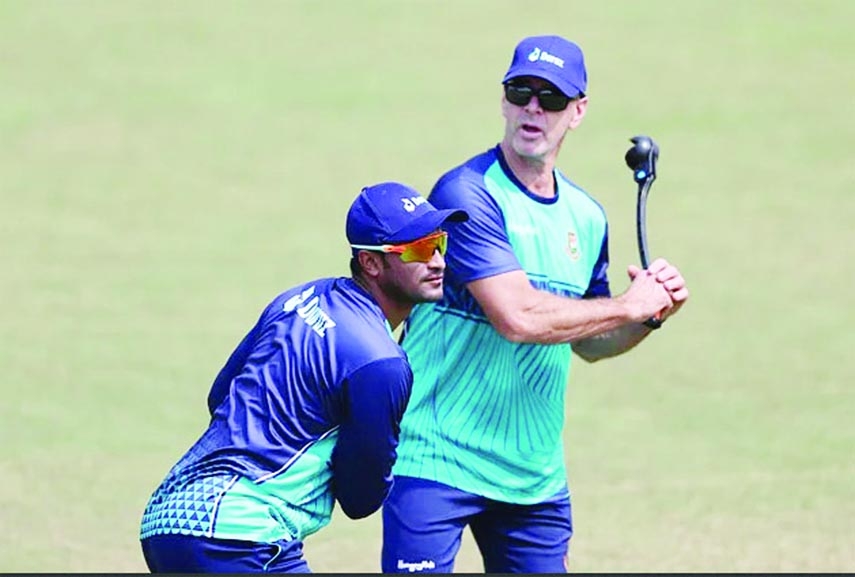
column 419, row 566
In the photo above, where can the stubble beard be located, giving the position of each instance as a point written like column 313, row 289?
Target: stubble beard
column 420, row 293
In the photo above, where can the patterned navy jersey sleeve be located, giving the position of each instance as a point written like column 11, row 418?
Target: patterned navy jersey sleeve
column 376, row 396
column 479, row 247
column 599, row 285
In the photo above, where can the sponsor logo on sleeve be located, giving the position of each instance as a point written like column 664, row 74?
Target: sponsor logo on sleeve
column 309, row 309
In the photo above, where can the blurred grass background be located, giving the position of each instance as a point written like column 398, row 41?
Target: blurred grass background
column 167, row 167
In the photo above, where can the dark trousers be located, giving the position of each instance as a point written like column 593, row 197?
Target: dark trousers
column 189, row 554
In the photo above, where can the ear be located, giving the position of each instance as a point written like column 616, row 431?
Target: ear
column 579, row 108
column 505, row 106
column 371, row 263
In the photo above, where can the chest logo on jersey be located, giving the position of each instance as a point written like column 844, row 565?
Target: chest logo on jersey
column 572, row 248
column 309, row 309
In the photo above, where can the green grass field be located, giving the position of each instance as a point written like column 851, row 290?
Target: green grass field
column 167, row 167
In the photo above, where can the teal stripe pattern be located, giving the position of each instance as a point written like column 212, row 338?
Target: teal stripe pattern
column 486, row 415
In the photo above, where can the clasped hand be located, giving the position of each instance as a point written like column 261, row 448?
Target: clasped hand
column 661, row 289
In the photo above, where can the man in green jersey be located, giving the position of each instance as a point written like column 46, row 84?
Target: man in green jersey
column 525, row 286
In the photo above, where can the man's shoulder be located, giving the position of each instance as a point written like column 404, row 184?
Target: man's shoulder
column 464, row 185
column 334, row 304
column 346, row 325
column 471, row 170
column 576, row 194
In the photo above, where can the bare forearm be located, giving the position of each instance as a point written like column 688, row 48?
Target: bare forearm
column 552, row 320
column 522, row 314
column 611, row 343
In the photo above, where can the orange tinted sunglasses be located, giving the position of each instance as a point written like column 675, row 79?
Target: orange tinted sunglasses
column 420, row 250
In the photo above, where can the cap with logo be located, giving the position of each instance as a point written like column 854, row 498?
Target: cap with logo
column 552, row 58
column 391, row 212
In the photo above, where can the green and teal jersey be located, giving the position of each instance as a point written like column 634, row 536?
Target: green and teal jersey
column 486, row 415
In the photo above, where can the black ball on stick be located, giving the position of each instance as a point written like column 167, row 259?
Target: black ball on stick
column 641, row 158
column 640, row 154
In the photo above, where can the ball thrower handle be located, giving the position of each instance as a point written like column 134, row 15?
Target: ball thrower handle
column 641, row 158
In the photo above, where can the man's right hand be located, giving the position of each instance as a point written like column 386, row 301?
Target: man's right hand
column 646, row 296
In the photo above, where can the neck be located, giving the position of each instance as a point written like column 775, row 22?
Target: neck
column 394, row 310
column 535, row 173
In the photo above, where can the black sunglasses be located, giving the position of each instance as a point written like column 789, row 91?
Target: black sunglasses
column 550, row 99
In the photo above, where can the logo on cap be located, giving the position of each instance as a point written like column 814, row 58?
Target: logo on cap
column 538, row 54
column 411, row 203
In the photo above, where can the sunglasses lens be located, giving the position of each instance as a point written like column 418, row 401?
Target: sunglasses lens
column 422, row 250
column 518, row 95
column 552, row 101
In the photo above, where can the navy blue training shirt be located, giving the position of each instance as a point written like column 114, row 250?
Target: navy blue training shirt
column 305, row 411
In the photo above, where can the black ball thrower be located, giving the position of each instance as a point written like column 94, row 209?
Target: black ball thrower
column 641, row 159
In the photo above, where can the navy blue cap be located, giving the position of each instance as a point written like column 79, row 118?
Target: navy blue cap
column 552, row 58
column 391, row 212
